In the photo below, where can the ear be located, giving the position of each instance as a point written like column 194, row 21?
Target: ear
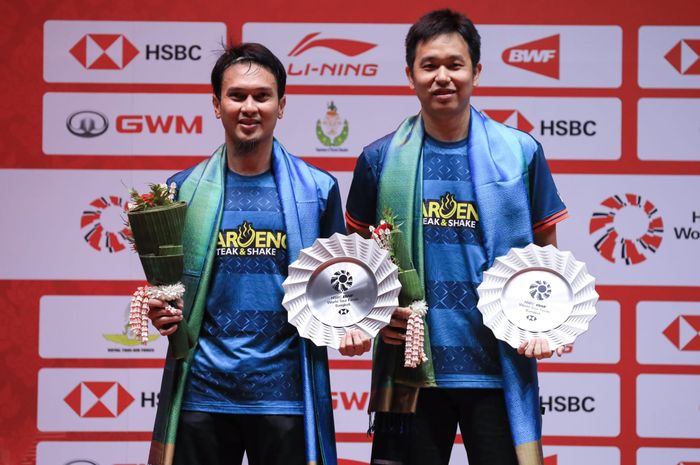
column 409, row 75
column 280, row 110
column 477, row 74
column 217, row 106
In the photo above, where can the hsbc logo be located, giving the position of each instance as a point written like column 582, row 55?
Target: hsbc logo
column 98, row 399
column 115, row 51
column 539, row 56
column 551, row 460
column 551, row 127
column 685, row 56
column 130, row 51
column 104, row 51
column 684, row 333
column 512, row 118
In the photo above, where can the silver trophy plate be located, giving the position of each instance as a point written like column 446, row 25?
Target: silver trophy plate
column 338, row 284
column 537, row 292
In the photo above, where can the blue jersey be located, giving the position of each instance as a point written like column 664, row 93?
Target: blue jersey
column 247, row 360
column 464, row 351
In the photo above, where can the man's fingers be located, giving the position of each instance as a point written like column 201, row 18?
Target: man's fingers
column 392, row 337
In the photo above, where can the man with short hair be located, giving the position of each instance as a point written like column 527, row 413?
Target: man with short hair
column 464, row 190
column 251, row 384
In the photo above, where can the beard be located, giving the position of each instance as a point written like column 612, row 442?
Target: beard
column 246, row 147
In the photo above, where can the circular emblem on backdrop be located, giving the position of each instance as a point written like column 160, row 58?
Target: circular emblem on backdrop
column 332, row 130
column 341, row 281
column 87, row 123
column 104, row 224
column 540, row 290
column 628, row 228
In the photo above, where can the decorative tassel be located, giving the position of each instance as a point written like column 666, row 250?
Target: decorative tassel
column 138, row 309
column 415, row 335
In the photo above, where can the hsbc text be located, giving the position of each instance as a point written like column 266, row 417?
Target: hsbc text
column 567, row 128
column 169, row 52
column 567, row 404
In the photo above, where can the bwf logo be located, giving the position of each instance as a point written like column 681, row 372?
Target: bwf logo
column 627, row 228
column 539, row 56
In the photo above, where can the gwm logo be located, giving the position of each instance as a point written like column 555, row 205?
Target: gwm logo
column 628, row 229
column 98, row 399
column 104, row 51
column 539, row 56
column 685, row 56
column 512, row 118
column 684, row 332
column 105, row 225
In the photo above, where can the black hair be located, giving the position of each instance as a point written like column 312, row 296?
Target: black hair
column 440, row 22
column 251, row 53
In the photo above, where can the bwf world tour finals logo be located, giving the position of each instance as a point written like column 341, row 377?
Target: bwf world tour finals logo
column 627, row 229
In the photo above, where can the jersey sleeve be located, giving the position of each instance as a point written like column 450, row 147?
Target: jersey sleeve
column 332, row 216
column 546, row 205
column 361, row 206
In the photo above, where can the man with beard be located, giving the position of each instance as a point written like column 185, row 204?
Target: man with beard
column 251, row 384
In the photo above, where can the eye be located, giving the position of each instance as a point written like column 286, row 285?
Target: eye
column 262, row 97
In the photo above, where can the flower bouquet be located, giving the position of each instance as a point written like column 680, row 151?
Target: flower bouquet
column 157, row 222
column 387, row 234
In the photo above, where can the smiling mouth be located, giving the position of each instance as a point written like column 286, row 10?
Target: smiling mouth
column 442, row 92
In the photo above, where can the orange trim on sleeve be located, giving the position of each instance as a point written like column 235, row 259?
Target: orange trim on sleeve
column 550, row 220
column 358, row 225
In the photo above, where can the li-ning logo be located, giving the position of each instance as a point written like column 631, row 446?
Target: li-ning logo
column 105, row 225
column 685, row 56
column 314, row 64
column 684, row 332
column 104, row 51
column 347, row 47
column 332, row 130
column 98, row 399
column 512, row 118
column 629, row 229
column 539, row 56
column 341, row 280
column 87, row 123
column 540, row 290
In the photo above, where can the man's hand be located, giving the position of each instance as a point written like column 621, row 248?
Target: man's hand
column 164, row 316
column 539, row 348
column 395, row 332
column 355, row 342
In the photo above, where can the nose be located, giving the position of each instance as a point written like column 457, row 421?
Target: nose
column 248, row 105
column 442, row 76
